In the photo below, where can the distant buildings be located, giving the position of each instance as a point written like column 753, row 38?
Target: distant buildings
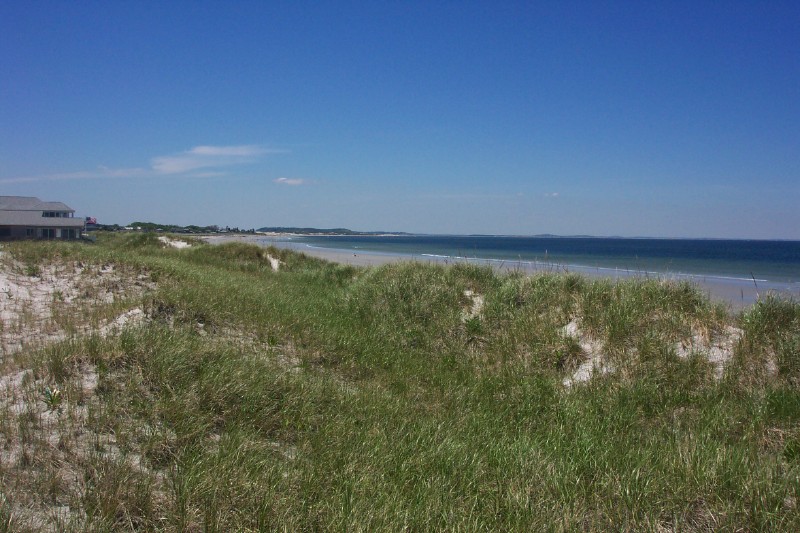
column 26, row 217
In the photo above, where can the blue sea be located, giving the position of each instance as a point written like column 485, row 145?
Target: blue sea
column 745, row 260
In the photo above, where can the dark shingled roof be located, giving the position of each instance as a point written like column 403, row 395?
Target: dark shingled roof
column 30, row 203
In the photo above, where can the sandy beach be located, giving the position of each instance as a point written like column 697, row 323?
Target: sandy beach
column 739, row 294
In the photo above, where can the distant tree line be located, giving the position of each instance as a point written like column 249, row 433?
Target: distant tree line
column 172, row 228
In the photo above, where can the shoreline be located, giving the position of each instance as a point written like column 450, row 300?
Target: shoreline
column 736, row 292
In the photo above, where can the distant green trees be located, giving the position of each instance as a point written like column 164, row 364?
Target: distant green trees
column 174, row 228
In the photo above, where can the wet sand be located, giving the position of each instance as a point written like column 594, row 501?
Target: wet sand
column 738, row 294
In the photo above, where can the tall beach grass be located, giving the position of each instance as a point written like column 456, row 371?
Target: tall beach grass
column 327, row 397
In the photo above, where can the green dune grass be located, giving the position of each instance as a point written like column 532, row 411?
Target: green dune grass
column 328, row 397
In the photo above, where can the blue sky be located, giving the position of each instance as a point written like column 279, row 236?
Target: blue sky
column 667, row 119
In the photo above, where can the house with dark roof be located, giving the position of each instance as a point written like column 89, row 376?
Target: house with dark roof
column 26, row 217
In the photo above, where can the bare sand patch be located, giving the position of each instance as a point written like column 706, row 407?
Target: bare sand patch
column 476, row 305
column 43, row 305
column 274, row 262
column 716, row 348
column 594, row 359
column 46, row 439
column 174, row 243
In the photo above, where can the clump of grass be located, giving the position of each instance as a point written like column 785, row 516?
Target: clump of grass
column 52, row 397
column 6, row 515
column 33, row 270
column 771, row 344
column 139, row 241
column 118, row 497
column 409, row 304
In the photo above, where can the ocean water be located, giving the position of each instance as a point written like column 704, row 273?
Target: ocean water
column 745, row 260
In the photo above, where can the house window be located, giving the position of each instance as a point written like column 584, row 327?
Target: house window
column 48, row 233
column 30, row 232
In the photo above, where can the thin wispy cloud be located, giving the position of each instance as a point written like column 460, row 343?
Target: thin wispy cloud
column 248, row 150
column 101, row 172
column 290, row 181
column 197, row 162
column 203, row 157
column 551, row 195
column 467, row 196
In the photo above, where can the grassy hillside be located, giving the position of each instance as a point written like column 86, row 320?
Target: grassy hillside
column 254, row 394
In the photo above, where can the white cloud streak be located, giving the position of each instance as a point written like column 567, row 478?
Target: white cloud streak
column 202, row 157
column 290, row 181
column 477, row 197
column 197, row 162
column 248, row 150
column 101, row 172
